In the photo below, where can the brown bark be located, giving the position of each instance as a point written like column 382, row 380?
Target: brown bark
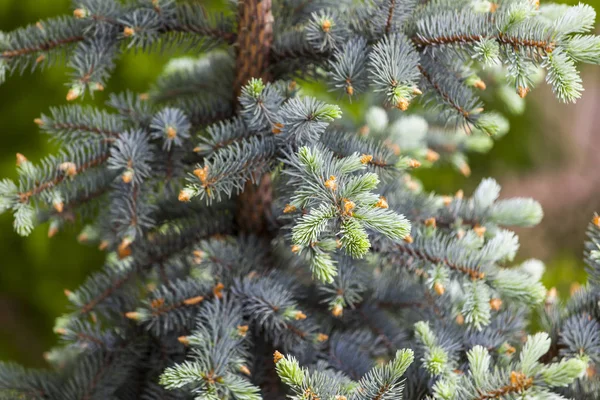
column 254, row 39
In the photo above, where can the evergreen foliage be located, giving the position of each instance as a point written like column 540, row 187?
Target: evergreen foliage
column 259, row 245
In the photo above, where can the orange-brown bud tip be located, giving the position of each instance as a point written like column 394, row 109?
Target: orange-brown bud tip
column 128, row 31
column 289, row 209
column 409, row 239
column 295, row 248
column 52, row 231
column 331, row 183
column 337, row 310
column 79, row 13
column 430, row 222
column 496, row 304
column 596, row 220
column 402, row 104
column 299, row 315
column 414, row 163
column 326, row 25
column 366, row 158
column 39, row 122
column 193, row 301
column 479, row 230
column 218, row 290
column 460, row 319
column 479, row 84
column 72, row 94
column 244, row 370
column 432, row 156
column 132, row 315
column 20, row 159
column 321, row 337
column 242, row 330
column 382, row 203
column 277, row 356
column 439, row 288
column 171, row 132
column 183, row 340
column 522, row 91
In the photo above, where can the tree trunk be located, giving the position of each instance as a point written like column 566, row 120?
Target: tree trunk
column 255, row 36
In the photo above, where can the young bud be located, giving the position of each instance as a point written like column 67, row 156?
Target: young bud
column 321, row 337
column 575, row 286
column 460, row 194
column 52, row 230
column 326, row 25
column 244, row 370
column 103, row 245
column 218, row 290
column 402, row 104
column 127, row 176
column 446, row 200
column 522, row 91
column 21, row 159
column 331, row 183
column 69, row 168
column 157, row 303
column 479, row 230
column 493, row 7
column 417, row 91
column 465, row 169
column 277, row 356
column 128, row 31
column 337, row 311
column 134, row 315
column 171, row 132
column 58, row 205
column 242, row 330
column 382, row 203
column 299, row 315
column 193, row 301
column 366, row 158
column 439, row 288
column 183, row 340
column 479, row 84
column 496, row 304
column 39, row 122
column 41, row 58
column 460, row 319
column 277, row 127
column 198, row 256
column 60, row 331
column 348, row 205
column 596, row 220
column 186, row 195
column 82, row 237
column 364, row 130
column 202, row 173
column 409, row 239
column 295, row 248
column 80, row 13
column 289, row 209
column 430, row 222
column 74, row 93
column 144, row 96
column 414, row 163
column 432, row 156
column 349, row 90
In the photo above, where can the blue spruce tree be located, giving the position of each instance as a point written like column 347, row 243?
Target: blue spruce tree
column 261, row 246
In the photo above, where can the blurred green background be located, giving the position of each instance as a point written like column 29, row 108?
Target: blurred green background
column 552, row 153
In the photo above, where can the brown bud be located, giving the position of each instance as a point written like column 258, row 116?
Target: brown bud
column 414, row 163
column 157, row 303
column 69, row 168
column 103, row 245
column 596, row 220
column 337, row 310
column 509, row 350
column 465, row 169
column 198, row 256
column 460, row 234
column 127, row 176
column 98, row 87
column 79, row 13
column 409, row 239
column 459, row 194
column 289, row 209
column 295, row 248
column 331, row 183
column 128, row 31
column 479, row 84
column 242, row 330
column 277, row 356
column 349, row 90
column 348, row 205
column 72, row 94
column 479, row 230
column 183, row 340
column 59, row 206
column 447, row 200
column 575, row 286
column 321, row 337
column 244, row 370
column 439, row 288
column 417, row 91
column 364, row 130
column 277, row 127
column 218, row 290
column 366, row 158
column 460, row 319
column 326, row 25
column 193, row 301
column 20, row 159
column 134, row 315
column 61, row 331
column 52, row 231
column 184, row 196
column 299, row 315
column 402, row 104
column 39, row 122
column 432, row 156
column 496, row 304
column 493, row 7
column 522, row 91
column 171, row 132
column 144, row 96
column 202, row 173
column 382, row 203
column 430, row 222
column 40, row 58
column 82, row 237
